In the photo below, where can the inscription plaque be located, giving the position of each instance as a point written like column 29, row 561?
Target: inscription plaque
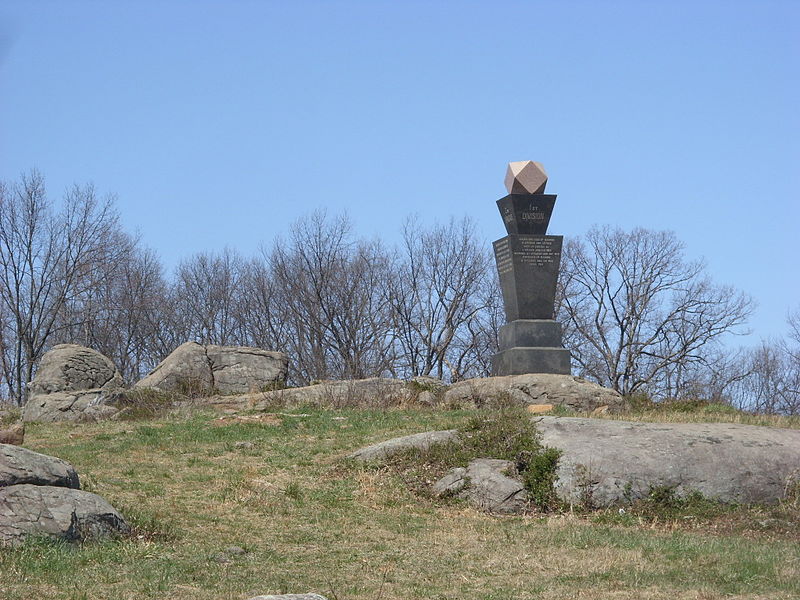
column 528, row 268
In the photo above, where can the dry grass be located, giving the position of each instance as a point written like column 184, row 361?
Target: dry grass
column 312, row 523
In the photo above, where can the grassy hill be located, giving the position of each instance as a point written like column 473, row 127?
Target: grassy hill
column 276, row 485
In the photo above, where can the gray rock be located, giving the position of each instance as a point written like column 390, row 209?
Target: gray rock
column 486, row 485
column 291, row 597
column 614, row 461
column 20, row 466
column 70, row 368
column 452, row 483
column 72, row 383
column 385, row 449
column 57, row 512
column 77, row 407
column 375, row 392
column 228, row 369
column 535, row 388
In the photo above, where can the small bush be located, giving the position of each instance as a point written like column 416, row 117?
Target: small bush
column 147, row 526
column 9, row 416
column 507, row 434
column 144, row 403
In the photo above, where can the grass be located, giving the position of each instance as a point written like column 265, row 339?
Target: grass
column 689, row 411
column 310, row 521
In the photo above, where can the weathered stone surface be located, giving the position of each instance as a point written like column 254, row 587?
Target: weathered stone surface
column 385, row 449
column 228, row 369
column 81, row 406
column 290, row 597
column 534, row 388
column 486, row 485
column 618, row 460
column 525, row 177
column 72, row 383
column 14, row 434
column 69, row 367
column 187, row 365
column 613, row 462
column 58, row 512
column 375, row 392
column 20, row 465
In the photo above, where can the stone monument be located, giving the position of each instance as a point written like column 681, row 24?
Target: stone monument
column 527, row 261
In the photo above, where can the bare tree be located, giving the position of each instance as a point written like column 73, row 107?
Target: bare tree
column 636, row 311
column 207, row 294
column 124, row 314
column 48, row 258
column 435, row 295
column 333, row 290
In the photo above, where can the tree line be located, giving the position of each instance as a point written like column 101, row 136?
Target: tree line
column 638, row 315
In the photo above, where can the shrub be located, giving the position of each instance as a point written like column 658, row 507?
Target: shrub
column 507, row 434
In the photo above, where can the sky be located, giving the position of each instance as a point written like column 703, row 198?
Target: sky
column 219, row 124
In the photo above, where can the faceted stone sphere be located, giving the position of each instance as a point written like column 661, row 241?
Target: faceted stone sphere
column 525, row 177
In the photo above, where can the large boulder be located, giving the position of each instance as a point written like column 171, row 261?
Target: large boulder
column 607, row 462
column 534, row 388
column 193, row 367
column 20, row 466
column 40, row 496
column 72, row 383
column 610, row 462
column 57, row 512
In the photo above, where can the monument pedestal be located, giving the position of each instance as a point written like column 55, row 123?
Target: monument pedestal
column 531, row 346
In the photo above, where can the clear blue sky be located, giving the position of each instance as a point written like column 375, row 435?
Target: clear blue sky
column 220, row 123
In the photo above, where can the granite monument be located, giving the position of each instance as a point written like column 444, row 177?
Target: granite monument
column 528, row 261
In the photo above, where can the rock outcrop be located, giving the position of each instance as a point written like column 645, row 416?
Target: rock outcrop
column 535, row 388
column 606, row 462
column 58, row 512
column 486, row 484
column 195, row 368
column 290, row 597
column 72, row 383
column 375, row 392
column 616, row 461
column 383, row 450
column 20, row 465
column 40, row 496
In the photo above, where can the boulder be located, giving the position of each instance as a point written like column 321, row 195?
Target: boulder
column 612, row 462
column 291, row 597
column 383, row 450
column 193, row 367
column 534, row 388
column 486, row 485
column 14, row 434
column 72, row 383
column 23, row 466
column 57, row 512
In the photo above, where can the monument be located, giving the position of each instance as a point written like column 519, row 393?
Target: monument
column 527, row 261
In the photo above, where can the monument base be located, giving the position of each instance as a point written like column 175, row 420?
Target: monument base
column 531, row 346
column 519, row 361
